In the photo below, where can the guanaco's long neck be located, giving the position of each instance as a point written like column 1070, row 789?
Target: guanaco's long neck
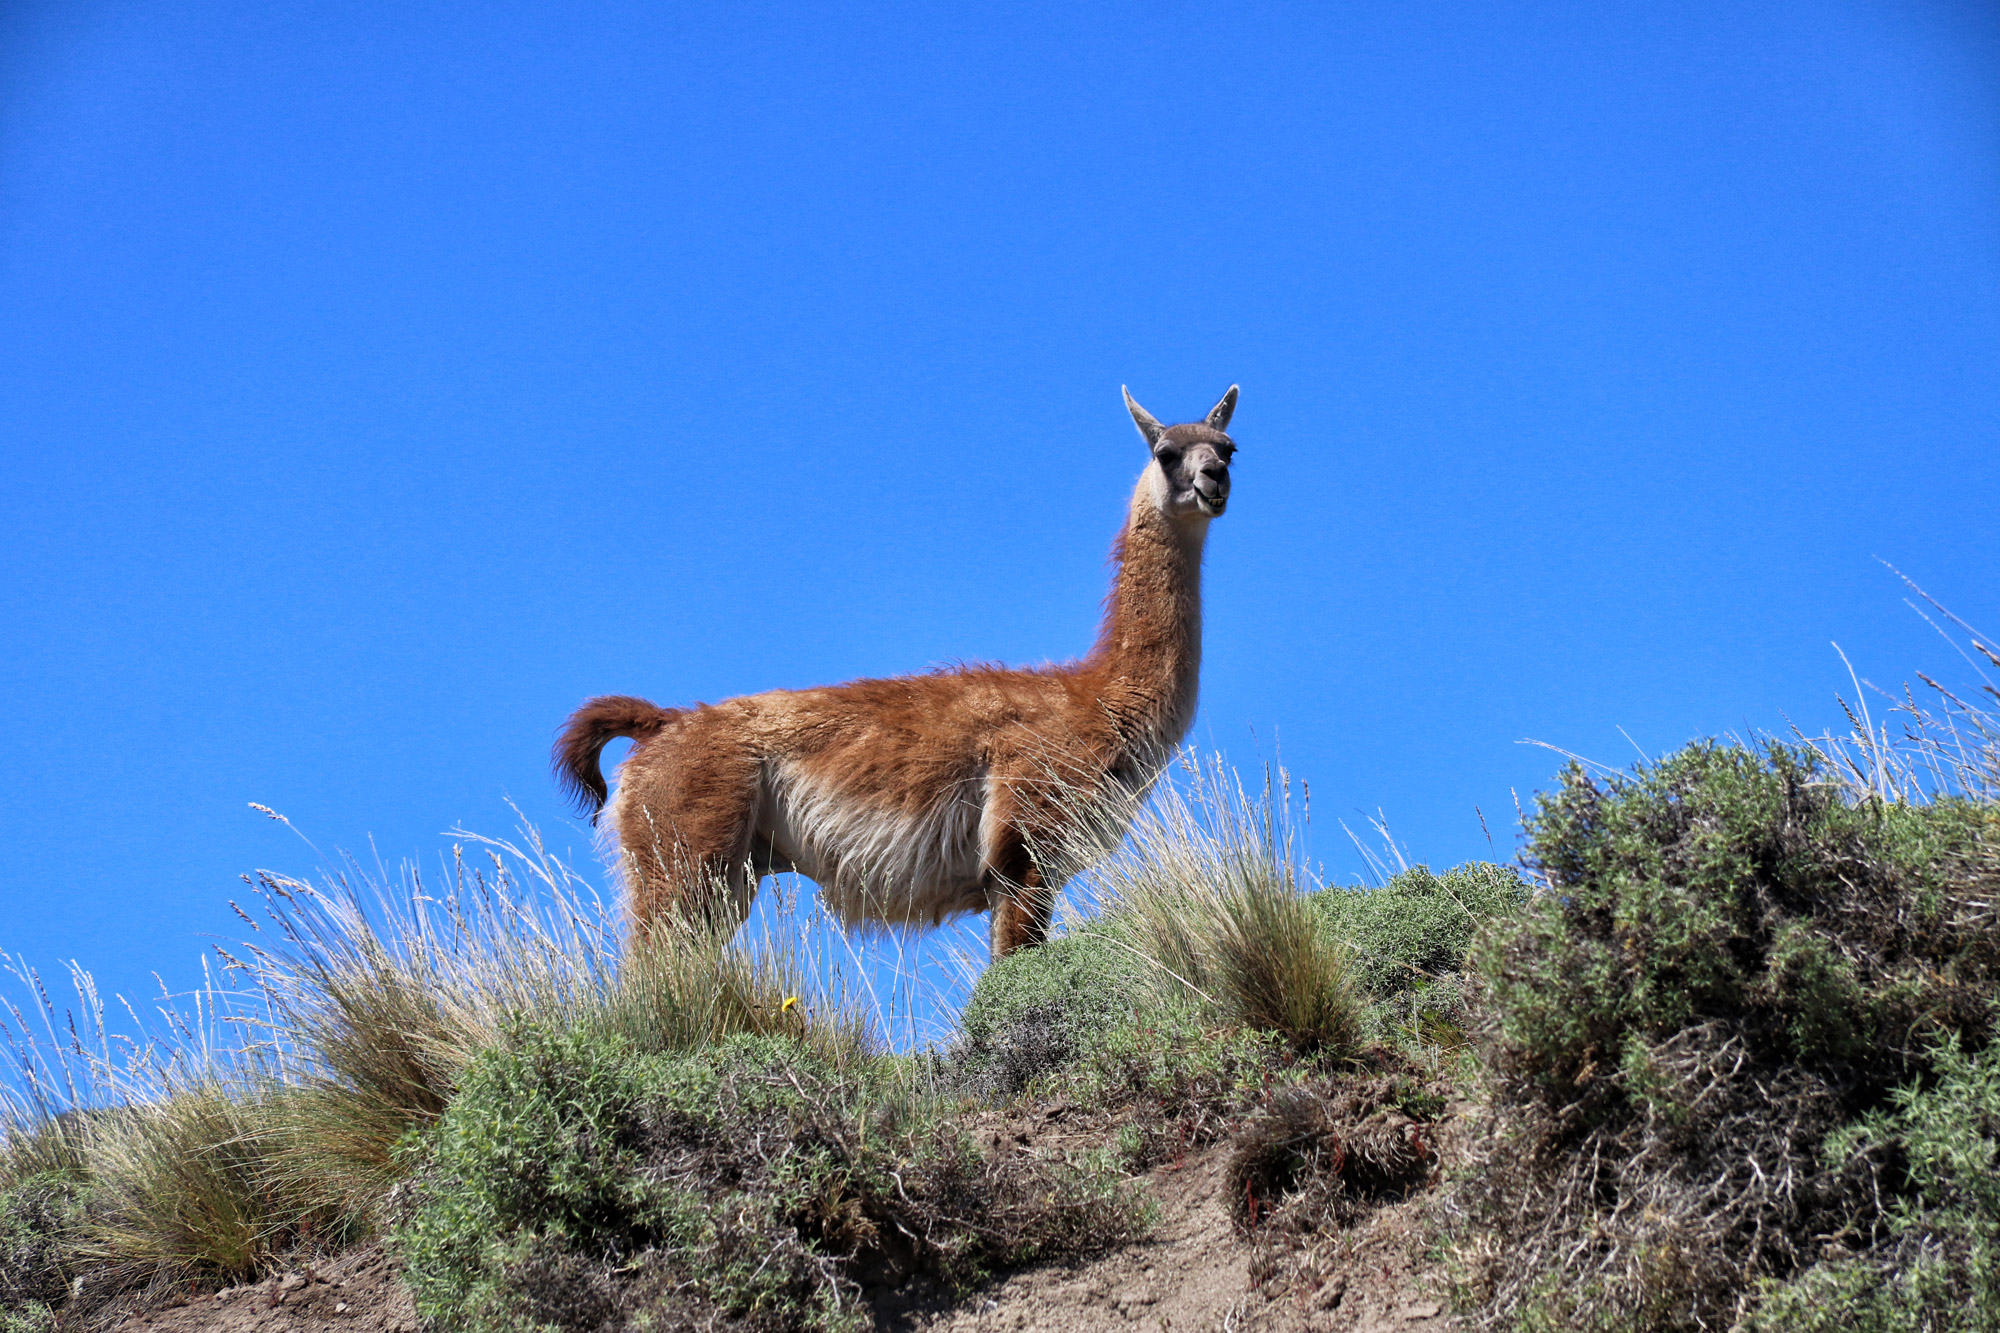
column 1148, row 654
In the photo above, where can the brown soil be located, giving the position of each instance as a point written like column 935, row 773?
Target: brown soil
column 356, row 1292
column 1195, row 1272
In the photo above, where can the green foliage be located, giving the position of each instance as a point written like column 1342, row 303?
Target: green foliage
column 535, row 1181
column 1934, row 1267
column 1730, row 885
column 1181, row 1081
column 1733, row 960
column 1419, row 925
column 1174, row 1059
column 38, row 1220
column 1039, row 1009
column 1410, row 938
column 575, row 1178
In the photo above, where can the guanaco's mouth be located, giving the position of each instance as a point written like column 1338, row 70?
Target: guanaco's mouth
column 1211, row 507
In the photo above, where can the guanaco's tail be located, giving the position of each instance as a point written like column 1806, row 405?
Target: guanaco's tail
column 591, row 728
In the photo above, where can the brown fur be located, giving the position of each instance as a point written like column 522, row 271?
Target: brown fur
column 918, row 797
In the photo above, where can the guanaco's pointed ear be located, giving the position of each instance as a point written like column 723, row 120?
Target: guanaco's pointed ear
column 1149, row 426
column 1218, row 416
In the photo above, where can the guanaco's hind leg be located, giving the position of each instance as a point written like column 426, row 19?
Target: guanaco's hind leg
column 685, row 814
column 1022, row 901
column 1022, row 909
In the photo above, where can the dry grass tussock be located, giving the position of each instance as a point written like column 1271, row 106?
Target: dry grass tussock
column 1210, row 890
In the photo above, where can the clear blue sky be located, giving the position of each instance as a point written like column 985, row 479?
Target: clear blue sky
column 377, row 382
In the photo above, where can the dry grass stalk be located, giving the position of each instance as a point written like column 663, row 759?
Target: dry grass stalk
column 1941, row 743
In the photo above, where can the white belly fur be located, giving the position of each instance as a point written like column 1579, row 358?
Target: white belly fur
column 873, row 865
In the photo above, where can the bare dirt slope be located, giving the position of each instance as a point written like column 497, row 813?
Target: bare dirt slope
column 356, row 1292
column 1195, row 1272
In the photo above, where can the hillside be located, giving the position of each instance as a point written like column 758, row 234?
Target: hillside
column 1716, row 1054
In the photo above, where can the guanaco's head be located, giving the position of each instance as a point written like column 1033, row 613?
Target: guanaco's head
column 1191, row 461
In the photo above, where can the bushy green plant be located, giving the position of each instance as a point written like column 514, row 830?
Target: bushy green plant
column 1934, row 1266
column 1410, row 937
column 38, row 1221
column 1039, row 1009
column 575, row 1178
column 1730, row 885
column 1733, row 960
column 1179, row 1079
column 1419, row 924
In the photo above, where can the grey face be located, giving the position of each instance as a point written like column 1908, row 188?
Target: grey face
column 1195, row 462
column 1193, row 459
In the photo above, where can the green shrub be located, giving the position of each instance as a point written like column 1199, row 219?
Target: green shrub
column 1733, row 886
column 575, row 1179
column 1732, row 961
column 1180, row 1080
column 28, row 1317
column 1934, row 1264
column 38, row 1220
column 1410, row 937
column 1039, row 1009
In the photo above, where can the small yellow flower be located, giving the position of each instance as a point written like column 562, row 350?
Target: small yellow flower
column 786, row 1007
